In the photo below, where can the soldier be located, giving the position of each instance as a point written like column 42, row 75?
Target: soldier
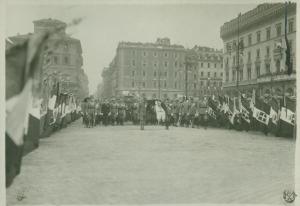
column 91, row 112
column 84, row 111
column 121, row 113
column 98, row 113
column 192, row 113
column 105, row 111
column 142, row 112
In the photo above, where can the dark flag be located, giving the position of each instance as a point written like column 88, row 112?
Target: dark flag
column 288, row 47
column 274, row 115
column 287, row 117
column 22, row 73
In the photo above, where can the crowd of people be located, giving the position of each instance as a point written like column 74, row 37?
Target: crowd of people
column 239, row 113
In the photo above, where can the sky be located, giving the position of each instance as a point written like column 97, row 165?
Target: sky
column 105, row 25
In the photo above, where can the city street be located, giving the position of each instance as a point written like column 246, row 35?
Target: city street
column 124, row 165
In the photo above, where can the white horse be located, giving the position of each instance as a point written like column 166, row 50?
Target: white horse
column 160, row 112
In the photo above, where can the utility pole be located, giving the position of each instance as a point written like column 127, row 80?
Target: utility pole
column 158, row 82
column 186, row 80
column 238, row 54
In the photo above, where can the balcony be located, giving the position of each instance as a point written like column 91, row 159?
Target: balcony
column 280, row 76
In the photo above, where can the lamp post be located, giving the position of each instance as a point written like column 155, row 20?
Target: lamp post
column 238, row 53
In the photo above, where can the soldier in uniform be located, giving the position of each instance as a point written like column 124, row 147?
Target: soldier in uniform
column 121, row 113
column 142, row 112
column 105, row 111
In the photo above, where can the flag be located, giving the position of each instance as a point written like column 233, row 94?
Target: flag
column 245, row 109
column 22, row 73
column 288, row 48
column 288, row 109
column 261, row 111
column 274, row 111
column 212, row 108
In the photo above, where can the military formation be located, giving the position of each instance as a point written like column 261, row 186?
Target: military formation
column 265, row 114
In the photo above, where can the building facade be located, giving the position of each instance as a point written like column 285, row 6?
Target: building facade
column 62, row 57
column 207, row 77
column 259, row 62
column 162, row 70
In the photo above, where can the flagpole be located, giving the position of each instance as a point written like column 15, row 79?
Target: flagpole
column 238, row 54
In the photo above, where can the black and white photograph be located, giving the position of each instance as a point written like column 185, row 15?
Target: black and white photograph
column 150, row 102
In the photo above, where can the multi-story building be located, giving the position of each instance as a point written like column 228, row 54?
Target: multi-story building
column 149, row 69
column 62, row 57
column 207, row 77
column 259, row 63
column 162, row 70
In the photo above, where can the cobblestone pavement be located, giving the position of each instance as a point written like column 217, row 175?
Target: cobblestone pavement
column 123, row 165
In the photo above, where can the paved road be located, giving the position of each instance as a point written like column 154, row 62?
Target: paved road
column 124, row 165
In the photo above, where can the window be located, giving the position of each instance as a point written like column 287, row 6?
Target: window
column 201, row 74
column 165, row 84
column 249, row 72
column 221, row 74
column 133, row 62
column 145, row 53
column 166, row 64
column 166, row 74
column 155, row 54
column 133, row 73
column 201, row 83
column 175, row 55
column 241, row 74
column 233, row 60
column 221, row 65
column 220, row 84
column 66, row 47
column 201, row 64
column 215, row 74
column 144, row 63
column 175, row 74
column 215, row 65
column 258, row 53
column 66, row 60
column 233, row 75
column 155, row 64
column 208, row 65
column 175, row 85
column 144, row 73
column 208, row 74
column 55, row 59
column 195, row 76
column 175, row 64
column 227, row 76
column 268, row 51
column 278, row 30
column 166, row 54
column 258, row 70
column 195, row 86
column 154, row 74
column 278, row 66
column 268, row 68
column 268, row 33
column 258, row 36
column 291, row 26
column 249, row 39
column 249, row 56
